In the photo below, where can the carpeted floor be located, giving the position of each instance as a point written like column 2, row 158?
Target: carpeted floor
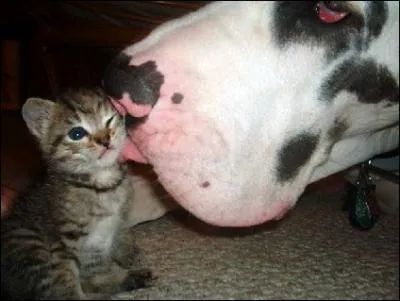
column 313, row 253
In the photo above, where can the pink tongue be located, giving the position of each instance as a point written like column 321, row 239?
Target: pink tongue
column 131, row 152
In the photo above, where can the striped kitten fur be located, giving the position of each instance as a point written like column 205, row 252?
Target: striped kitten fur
column 64, row 238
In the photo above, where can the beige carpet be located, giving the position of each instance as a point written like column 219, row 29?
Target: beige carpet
column 313, row 253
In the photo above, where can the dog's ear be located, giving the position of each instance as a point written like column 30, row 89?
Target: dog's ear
column 37, row 114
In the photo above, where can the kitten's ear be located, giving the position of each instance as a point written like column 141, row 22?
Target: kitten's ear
column 37, row 113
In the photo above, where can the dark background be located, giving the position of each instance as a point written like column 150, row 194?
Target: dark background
column 68, row 43
column 47, row 46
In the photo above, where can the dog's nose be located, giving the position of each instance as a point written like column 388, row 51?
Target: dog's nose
column 141, row 83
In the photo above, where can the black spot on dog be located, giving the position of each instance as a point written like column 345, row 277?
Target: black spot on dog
column 177, row 98
column 205, row 184
column 376, row 18
column 294, row 154
column 298, row 22
column 142, row 82
column 371, row 82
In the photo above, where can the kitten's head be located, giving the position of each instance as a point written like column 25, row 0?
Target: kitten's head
column 79, row 132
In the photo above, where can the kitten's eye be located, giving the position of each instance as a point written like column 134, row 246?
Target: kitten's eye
column 109, row 121
column 77, row 133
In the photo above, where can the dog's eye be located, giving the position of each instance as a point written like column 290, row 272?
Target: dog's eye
column 331, row 11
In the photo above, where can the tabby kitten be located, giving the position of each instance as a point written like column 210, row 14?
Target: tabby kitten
column 64, row 238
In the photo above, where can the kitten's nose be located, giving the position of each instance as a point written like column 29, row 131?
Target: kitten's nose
column 103, row 139
column 105, row 143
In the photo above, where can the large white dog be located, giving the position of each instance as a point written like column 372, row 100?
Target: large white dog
column 240, row 105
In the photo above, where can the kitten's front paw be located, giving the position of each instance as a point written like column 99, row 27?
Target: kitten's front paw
column 138, row 279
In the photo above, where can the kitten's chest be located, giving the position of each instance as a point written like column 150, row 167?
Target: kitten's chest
column 106, row 219
column 102, row 234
